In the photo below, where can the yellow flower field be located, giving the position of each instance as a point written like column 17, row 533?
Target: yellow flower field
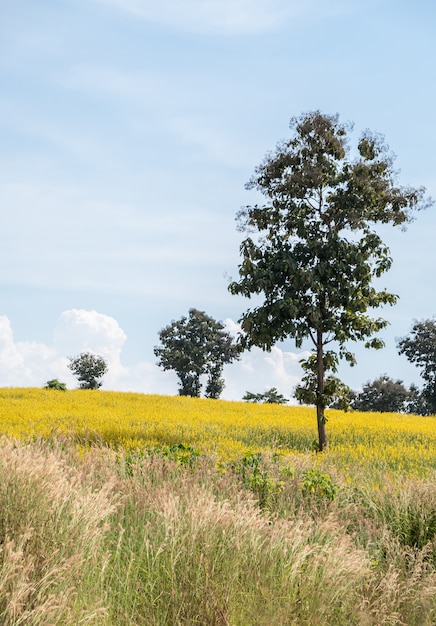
column 230, row 430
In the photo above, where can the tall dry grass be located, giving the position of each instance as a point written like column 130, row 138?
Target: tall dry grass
column 53, row 519
column 104, row 538
column 202, row 552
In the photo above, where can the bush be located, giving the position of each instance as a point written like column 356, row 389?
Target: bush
column 55, row 384
column 272, row 396
column 318, row 484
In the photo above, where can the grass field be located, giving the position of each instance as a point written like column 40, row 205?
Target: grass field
column 130, row 509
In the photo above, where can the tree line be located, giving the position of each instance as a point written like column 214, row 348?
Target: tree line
column 312, row 251
column 198, row 346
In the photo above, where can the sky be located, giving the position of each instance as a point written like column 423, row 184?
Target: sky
column 128, row 130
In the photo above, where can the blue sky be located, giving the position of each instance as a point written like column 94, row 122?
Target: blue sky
column 128, row 129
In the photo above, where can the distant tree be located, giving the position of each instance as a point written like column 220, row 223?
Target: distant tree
column 420, row 348
column 384, row 395
column 194, row 346
column 55, row 384
column 312, row 249
column 89, row 368
column 417, row 403
column 215, row 382
column 272, row 396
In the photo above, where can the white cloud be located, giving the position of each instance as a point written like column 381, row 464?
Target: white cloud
column 26, row 363
column 258, row 371
column 29, row 363
column 78, row 330
column 8, row 351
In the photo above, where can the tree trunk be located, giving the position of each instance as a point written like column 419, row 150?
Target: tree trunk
column 322, row 435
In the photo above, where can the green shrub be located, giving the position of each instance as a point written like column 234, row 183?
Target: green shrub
column 55, row 384
column 256, row 476
column 318, row 484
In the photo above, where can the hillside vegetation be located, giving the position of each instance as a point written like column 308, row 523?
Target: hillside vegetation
column 121, row 509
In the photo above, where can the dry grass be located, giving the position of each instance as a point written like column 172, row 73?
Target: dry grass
column 52, row 521
column 97, row 539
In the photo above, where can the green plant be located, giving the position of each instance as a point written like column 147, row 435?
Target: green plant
column 179, row 452
column 318, row 484
column 55, row 384
column 272, row 396
column 256, row 477
column 420, row 349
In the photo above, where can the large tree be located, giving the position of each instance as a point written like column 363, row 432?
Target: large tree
column 420, row 348
column 194, row 346
column 384, row 394
column 312, row 249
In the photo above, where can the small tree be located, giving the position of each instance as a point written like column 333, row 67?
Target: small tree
column 89, row 368
column 194, row 346
column 316, row 252
column 420, row 348
column 272, row 396
column 55, row 384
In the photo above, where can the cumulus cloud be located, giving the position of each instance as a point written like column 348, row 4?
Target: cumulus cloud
column 257, row 371
column 29, row 363
column 78, row 330
column 26, row 363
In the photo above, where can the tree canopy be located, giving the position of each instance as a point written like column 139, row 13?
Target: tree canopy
column 89, row 368
column 384, row 394
column 194, row 346
column 312, row 250
column 420, row 348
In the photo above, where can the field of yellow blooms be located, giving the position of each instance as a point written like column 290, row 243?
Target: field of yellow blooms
column 132, row 421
